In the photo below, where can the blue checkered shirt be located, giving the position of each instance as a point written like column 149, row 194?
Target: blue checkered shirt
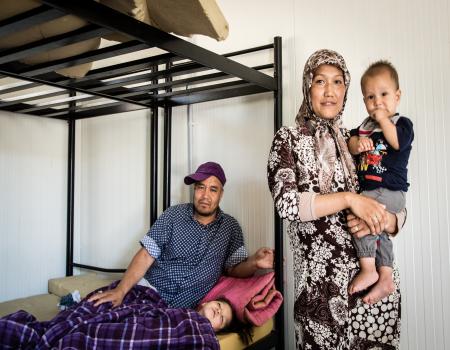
column 190, row 257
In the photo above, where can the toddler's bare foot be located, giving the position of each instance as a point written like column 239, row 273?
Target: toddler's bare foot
column 382, row 289
column 363, row 280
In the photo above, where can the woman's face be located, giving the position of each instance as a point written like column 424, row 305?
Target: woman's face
column 219, row 313
column 327, row 91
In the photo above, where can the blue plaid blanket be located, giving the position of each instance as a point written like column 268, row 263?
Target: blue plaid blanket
column 143, row 321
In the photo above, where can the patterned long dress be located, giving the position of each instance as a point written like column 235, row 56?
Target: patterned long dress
column 325, row 262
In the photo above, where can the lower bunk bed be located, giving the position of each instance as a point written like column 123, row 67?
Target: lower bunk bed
column 113, row 96
column 45, row 306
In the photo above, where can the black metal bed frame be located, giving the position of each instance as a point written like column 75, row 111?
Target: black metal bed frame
column 231, row 79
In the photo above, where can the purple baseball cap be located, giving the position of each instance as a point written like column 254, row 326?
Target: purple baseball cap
column 204, row 171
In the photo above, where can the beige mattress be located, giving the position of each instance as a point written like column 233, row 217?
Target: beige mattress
column 231, row 341
column 45, row 30
column 44, row 306
column 184, row 18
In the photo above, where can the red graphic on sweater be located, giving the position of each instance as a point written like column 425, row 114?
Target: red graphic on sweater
column 374, row 158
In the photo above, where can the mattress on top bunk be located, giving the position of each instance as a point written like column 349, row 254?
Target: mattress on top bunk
column 44, row 306
column 184, row 18
column 11, row 8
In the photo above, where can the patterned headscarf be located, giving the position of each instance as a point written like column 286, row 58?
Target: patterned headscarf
column 328, row 138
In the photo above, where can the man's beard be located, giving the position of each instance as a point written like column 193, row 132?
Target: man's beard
column 204, row 213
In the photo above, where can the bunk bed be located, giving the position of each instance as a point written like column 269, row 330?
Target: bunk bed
column 106, row 93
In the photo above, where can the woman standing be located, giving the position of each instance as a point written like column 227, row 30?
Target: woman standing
column 312, row 178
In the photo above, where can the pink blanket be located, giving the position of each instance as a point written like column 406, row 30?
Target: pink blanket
column 253, row 299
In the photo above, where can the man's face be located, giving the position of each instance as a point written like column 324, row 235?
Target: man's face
column 207, row 196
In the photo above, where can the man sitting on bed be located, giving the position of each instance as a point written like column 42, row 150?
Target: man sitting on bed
column 190, row 246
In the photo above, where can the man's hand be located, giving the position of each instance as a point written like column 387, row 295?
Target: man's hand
column 114, row 295
column 264, row 258
column 139, row 265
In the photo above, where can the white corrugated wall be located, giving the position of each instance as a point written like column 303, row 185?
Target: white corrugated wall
column 113, row 154
column 33, row 167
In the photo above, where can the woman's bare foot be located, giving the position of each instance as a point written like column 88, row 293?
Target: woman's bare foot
column 363, row 280
column 383, row 288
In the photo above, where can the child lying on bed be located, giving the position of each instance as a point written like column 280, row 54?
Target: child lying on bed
column 223, row 319
column 143, row 321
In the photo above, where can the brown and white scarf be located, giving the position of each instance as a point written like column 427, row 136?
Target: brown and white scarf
column 328, row 138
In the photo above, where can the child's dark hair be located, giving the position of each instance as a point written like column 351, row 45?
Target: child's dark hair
column 243, row 329
column 378, row 67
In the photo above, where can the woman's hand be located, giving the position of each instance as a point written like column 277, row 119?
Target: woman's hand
column 369, row 210
column 357, row 227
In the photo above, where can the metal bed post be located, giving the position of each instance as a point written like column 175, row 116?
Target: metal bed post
column 279, row 242
column 70, row 188
column 153, row 160
column 167, row 147
column 276, row 338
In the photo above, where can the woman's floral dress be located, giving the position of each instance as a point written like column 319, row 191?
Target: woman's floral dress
column 325, row 262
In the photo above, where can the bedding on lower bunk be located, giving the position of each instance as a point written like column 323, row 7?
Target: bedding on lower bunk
column 254, row 300
column 143, row 321
column 44, row 306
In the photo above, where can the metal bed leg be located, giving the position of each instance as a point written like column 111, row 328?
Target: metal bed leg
column 154, row 161
column 167, row 148
column 279, row 241
column 70, row 191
